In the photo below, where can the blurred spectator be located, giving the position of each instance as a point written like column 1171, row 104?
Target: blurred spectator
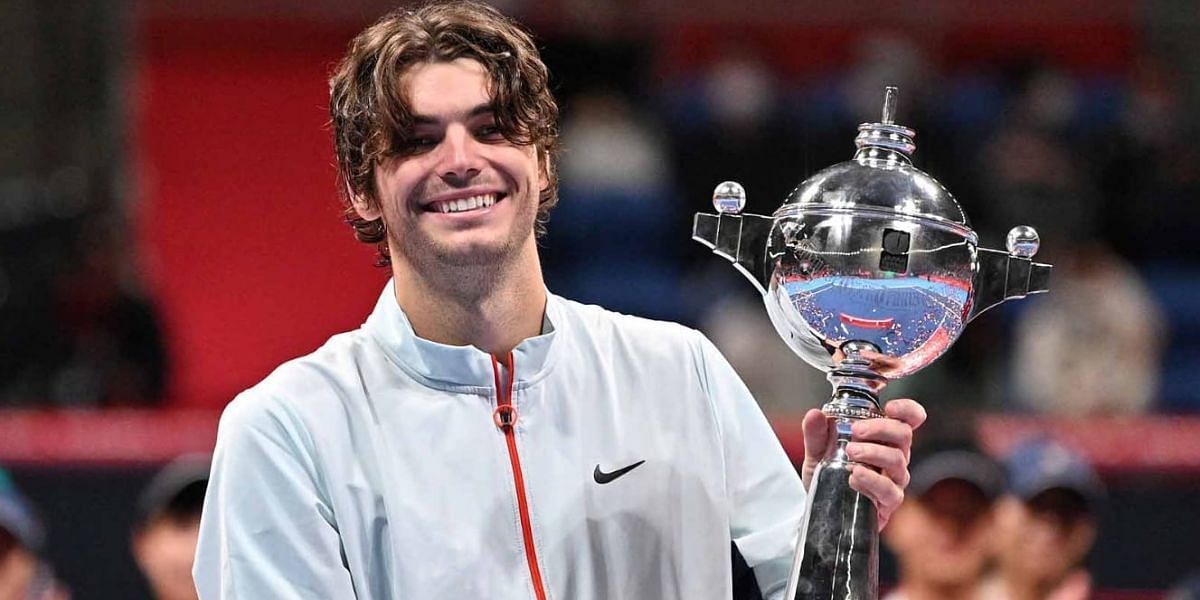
column 1031, row 177
column 618, row 234
column 164, row 538
column 728, row 125
column 109, row 348
column 941, row 533
column 1094, row 344
column 608, row 145
column 23, row 574
column 1148, row 166
column 1047, row 99
column 1188, row 589
column 1045, row 525
column 62, row 158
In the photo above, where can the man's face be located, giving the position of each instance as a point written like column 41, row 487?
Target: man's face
column 1046, row 537
column 461, row 195
column 164, row 550
column 942, row 536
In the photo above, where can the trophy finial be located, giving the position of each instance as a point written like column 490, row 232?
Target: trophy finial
column 729, row 198
column 889, row 104
column 1023, row 241
column 886, row 140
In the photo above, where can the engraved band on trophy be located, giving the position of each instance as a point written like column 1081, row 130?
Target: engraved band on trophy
column 869, row 271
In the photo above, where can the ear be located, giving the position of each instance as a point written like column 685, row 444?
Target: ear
column 545, row 169
column 367, row 209
column 1081, row 538
column 137, row 545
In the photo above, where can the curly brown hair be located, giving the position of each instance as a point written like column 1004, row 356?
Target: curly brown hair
column 371, row 117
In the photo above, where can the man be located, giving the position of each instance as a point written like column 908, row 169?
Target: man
column 479, row 437
column 168, row 523
column 1045, row 525
column 23, row 575
column 941, row 533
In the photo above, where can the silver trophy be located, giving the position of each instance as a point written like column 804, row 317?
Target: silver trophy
column 869, row 271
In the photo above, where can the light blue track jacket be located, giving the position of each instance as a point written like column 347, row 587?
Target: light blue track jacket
column 379, row 467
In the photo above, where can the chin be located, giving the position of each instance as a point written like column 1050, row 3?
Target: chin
column 476, row 246
column 475, row 252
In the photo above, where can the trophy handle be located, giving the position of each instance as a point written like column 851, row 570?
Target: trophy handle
column 1003, row 276
column 742, row 239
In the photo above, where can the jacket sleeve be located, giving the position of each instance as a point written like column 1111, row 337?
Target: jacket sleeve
column 764, row 491
column 267, row 530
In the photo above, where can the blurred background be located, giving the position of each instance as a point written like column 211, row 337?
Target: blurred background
column 170, row 229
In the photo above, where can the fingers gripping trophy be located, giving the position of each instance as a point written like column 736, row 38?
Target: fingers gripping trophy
column 869, row 271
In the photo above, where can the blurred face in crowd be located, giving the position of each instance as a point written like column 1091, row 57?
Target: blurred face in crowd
column 164, row 549
column 460, row 194
column 18, row 567
column 1043, row 539
column 941, row 537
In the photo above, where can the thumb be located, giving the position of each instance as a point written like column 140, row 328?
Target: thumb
column 816, row 441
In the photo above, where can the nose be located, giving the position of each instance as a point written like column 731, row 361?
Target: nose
column 460, row 160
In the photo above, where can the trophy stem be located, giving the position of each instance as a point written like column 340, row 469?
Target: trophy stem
column 838, row 553
column 856, row 384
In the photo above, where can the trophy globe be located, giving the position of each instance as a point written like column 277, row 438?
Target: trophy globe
column 869, row 271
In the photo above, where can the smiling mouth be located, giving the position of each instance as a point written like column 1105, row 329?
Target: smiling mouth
column 463, row 205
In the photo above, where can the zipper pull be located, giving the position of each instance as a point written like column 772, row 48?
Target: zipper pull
column 505, row 416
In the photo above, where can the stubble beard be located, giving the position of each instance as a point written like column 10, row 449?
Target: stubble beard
column 467, row 274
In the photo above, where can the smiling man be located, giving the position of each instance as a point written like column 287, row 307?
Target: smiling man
column 478, row 436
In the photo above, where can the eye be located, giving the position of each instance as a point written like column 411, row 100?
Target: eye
column 489, row 133
column 417, row 144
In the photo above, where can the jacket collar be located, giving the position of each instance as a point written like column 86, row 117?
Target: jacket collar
column 458, row 368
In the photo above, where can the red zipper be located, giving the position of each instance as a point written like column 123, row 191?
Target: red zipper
column 505, row 417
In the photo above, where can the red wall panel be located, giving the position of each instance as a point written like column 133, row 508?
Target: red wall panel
column 237, row 216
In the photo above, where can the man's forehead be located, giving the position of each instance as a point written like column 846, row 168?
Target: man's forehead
column 451, row 115
column 459, row 88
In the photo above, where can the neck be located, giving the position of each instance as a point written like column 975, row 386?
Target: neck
column 927, row 590
column 1025, row 588
column 492, row 307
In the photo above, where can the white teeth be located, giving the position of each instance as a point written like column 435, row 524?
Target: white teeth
column 465, row 204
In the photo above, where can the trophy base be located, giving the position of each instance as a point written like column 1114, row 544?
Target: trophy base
column 838, row 553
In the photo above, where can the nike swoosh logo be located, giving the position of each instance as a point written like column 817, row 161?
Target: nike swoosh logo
column 601, row 477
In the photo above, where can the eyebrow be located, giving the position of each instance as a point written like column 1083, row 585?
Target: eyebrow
column 479, row 110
